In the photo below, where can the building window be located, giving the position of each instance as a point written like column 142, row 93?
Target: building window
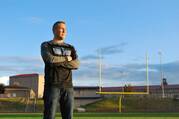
column 13, row 94
column 16, row 83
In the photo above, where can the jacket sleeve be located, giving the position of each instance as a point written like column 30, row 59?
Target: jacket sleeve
column 74, row 64
column 62, row 61
column 48, row 57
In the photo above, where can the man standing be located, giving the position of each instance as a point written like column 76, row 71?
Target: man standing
column 60, row 59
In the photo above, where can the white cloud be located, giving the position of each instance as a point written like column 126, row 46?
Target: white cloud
column 149, row 69
column 117, row 75
column 33, row 19
column 20, row 59
column 84, row 81
column 4, row 80
column 88, row 73
column 17, row 65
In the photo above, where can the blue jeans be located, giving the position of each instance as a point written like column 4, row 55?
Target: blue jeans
column 55, row 95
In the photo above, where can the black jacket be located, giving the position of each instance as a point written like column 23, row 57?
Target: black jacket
column 58, row 71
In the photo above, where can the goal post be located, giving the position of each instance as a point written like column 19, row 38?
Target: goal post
column 123, row 93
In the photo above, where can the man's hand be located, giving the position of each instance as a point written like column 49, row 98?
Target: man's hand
column 69, row 58
column 73, row 64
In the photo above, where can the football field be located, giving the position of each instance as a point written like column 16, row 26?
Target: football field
column 95, row 116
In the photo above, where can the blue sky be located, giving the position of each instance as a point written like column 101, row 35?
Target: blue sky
column 123, row 29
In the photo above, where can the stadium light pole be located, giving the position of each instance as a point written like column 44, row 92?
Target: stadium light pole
column 100, row 70
column 161, row 74
column 147, row 72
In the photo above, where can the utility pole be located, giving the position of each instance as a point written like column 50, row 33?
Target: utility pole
column 161, row 74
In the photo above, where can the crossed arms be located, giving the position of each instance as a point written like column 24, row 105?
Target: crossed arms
column 64, row 61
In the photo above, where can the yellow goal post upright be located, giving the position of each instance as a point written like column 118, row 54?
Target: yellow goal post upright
column 122, row 93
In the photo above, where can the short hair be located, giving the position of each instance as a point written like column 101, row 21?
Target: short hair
column 56, row 23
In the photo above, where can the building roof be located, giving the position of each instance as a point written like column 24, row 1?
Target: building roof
column 25, row 75
column 151, row 87
column 86, row 87
column 14, row 87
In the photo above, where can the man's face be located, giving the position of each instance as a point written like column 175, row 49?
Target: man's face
column 60, row 31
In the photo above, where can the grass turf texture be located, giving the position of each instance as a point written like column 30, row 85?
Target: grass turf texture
column 95, row 116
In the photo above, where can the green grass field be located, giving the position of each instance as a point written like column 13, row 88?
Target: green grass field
column 97, row 110
column 95, row 116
